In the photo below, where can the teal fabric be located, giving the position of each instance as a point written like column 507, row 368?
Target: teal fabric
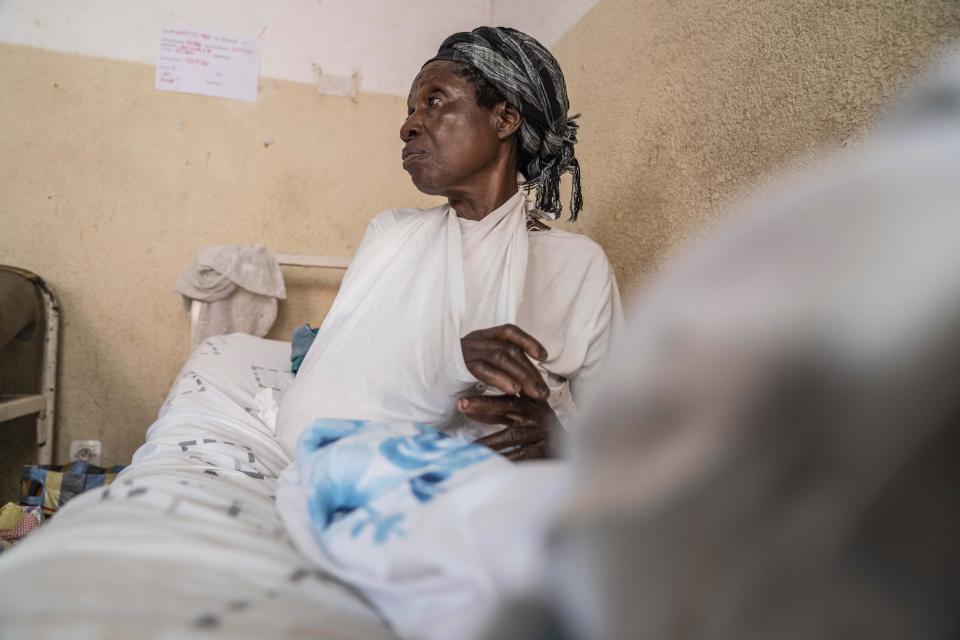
column 302, row 340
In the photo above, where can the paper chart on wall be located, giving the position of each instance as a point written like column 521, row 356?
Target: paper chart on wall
column 208, row 63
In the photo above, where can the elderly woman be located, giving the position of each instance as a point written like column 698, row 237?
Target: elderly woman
column 474, row 316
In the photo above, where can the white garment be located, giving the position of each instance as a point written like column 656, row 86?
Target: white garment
column 389, row 353
column 389, row 349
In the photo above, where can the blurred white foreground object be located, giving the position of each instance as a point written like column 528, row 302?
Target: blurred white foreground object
column 775, row 454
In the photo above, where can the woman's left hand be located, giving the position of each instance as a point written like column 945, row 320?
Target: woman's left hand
column 529, row 424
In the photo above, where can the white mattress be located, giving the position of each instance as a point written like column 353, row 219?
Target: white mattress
column 186, row 542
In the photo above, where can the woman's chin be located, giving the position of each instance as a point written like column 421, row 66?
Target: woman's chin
column 425, row 185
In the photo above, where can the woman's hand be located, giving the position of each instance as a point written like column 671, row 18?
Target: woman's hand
column 498, row 357
column 529, row 424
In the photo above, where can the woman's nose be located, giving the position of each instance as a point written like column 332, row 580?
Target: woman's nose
column 410, row 128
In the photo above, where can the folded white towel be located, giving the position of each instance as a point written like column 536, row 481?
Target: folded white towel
column 238, row 286
column 216, row 271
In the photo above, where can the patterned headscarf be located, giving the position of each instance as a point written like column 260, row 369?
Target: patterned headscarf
column 529, row 78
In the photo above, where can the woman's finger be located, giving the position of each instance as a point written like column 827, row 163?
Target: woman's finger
column 484, row 414
column 536, row 451
column 511, row 437
column 513, row 361
column 515, row 335
column 486, row 418
column 492, row 405
column 493, row 376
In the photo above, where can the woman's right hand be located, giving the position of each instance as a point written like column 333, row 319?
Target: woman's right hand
column 498, row 357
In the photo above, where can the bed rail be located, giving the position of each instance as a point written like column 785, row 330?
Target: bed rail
column 43, row 404
column 324, row 262
column 285, row 260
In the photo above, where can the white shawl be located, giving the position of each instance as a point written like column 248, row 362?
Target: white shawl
column 389, row 349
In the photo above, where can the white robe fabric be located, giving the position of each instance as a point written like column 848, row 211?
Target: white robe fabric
column 555, row 285
column 389, row 349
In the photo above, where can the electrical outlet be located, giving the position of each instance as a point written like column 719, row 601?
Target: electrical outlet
column 85, row 451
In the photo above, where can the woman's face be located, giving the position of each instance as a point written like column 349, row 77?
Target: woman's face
column 451, row 141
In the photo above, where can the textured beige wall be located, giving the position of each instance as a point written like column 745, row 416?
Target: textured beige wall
column 687, row 103
column 109, row 186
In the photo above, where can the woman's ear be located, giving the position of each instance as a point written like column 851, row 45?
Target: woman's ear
column 507, row 120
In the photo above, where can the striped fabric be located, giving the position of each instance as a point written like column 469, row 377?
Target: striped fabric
column 530, row 79
column 52, row 486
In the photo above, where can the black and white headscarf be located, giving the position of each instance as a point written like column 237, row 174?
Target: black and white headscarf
column 529, row 78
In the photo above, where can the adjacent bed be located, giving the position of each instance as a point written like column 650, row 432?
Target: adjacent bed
column 186, row 542
column 187, row 539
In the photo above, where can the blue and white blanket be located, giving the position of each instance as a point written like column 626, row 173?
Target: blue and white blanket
column 434, row 530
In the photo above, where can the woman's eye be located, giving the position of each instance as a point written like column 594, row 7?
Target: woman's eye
column 432, row 101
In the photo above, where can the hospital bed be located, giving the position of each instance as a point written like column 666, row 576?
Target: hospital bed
column 186, row 542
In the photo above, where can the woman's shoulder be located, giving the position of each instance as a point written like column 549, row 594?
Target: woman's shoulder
column 571, row 269
column 572, row 249
column 388, row 218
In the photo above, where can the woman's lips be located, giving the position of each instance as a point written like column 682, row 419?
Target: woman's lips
column 412, row 155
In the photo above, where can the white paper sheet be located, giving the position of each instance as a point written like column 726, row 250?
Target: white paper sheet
column 208, row 63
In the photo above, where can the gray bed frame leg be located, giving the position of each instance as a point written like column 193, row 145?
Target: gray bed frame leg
column 48, row 379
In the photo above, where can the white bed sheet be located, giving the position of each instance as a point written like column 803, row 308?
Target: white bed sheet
column 186, row 542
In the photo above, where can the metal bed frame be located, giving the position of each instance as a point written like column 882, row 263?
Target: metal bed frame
column 44, row 403
column 284, row 260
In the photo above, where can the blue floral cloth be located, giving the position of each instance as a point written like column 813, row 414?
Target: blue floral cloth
column 364, row 477
column 416, row 520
